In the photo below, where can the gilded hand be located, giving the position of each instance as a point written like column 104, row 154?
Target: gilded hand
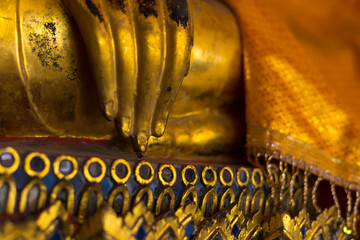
column 139, row 53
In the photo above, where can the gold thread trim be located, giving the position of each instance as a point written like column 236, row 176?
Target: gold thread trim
column 263, row 141
column 245, row 193
column 222, row 180
column 87, row 173
column 261, row 195
column 14, row 166
column 160, row 172
column 210, row 192
column 228, row 192
column 140, row 179
column 85, row 200
column 190, row 167
column 203, row 175
column 70, row 197
column 11, row 195
column 57, row 171
column 25, row 192
column 166, row 191
column 30, row 171
column 150, row 194
column 113, row 171
column 241, row 183
column 126, row 198
column 261, row 176
column 190, row 190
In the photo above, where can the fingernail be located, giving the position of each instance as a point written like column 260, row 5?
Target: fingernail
column 142, row 148
column 142, row 141
column 160, row 129
column 126, row 127
column 110, row 110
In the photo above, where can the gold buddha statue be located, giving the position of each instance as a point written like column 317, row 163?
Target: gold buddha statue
column 87, row 83
column 77, row 79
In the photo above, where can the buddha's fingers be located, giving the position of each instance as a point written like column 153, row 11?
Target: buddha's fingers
column 179, row 32
column 151, row 39
column 121, row 15
column 95, row 29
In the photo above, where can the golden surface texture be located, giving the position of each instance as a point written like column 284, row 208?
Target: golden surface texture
column 154, row 196
column 90, row 68
column 106, row 224
column 301, row 61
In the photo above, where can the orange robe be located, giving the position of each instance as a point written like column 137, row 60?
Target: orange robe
column 302, row 82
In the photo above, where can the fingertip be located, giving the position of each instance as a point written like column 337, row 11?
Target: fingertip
column 125, row 132
column 142, row 141
column 110, row 110
column 159, row 129
column 142, row 148
column 126, row 127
